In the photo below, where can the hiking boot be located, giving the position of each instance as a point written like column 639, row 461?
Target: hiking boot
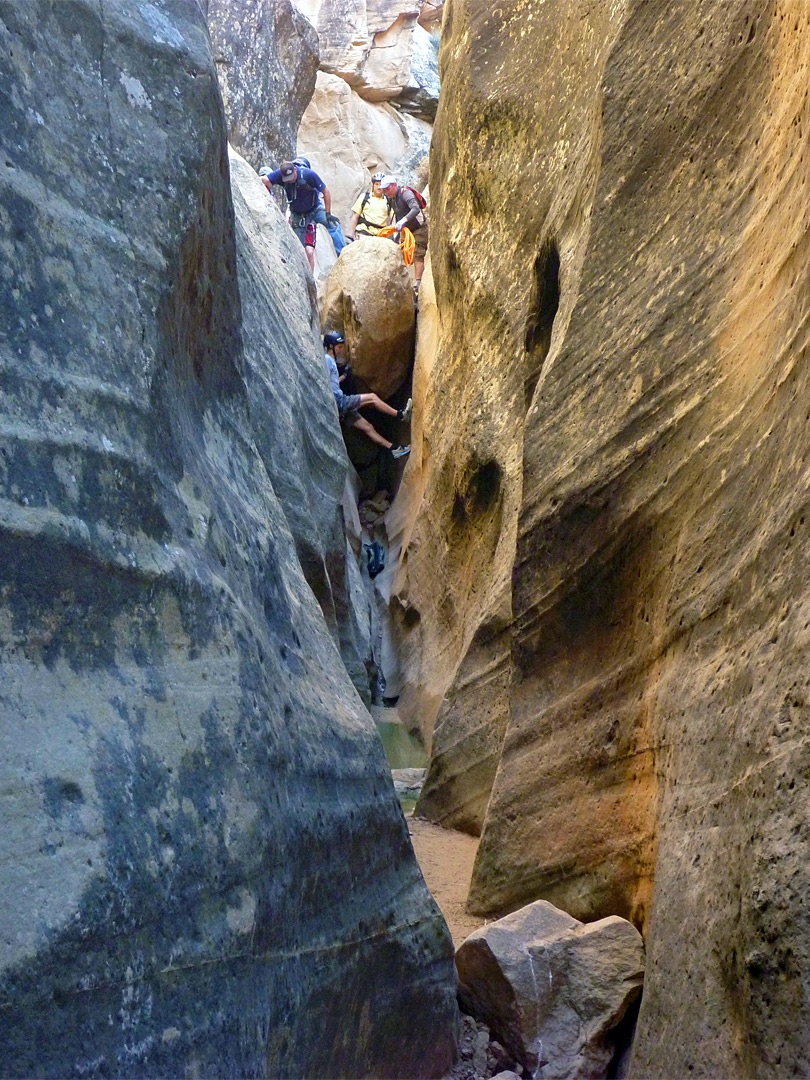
column 405, row 413
column 400, row 451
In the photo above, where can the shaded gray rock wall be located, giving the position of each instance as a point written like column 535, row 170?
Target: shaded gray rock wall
column 293, row 412
column 205, row 867
column 266, row 53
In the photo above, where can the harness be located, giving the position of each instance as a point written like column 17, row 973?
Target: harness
column 360, row 219
column 300, row 183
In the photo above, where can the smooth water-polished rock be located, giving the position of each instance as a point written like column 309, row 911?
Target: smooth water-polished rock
column 368, row 296
column 205, row 867
column 620, row 244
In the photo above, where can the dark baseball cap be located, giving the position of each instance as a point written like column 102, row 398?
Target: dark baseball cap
column 287, row 170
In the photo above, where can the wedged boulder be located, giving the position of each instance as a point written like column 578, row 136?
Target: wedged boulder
column 266, row 54
column 551, row 989
column 289, row 394
column 205, row 868
column 368, row 296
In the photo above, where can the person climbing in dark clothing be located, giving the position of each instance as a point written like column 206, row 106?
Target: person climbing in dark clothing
column 349, row 405
column 408, row 208
column 303, row 188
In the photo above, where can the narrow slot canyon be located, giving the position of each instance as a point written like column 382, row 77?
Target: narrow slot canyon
column 403, row 487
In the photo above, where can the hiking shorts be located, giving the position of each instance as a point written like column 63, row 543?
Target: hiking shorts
column 420, row 239
column 310, row 235
column 348, row 408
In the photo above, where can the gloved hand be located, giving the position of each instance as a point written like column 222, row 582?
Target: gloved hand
column 400, row 225
column 332, row 220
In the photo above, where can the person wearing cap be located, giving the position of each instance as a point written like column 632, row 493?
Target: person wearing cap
column 371, row 212
column 303, row 188
column 349, row 405
column 408, row 213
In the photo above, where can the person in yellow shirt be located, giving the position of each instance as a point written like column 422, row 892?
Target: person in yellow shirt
column 371, row 212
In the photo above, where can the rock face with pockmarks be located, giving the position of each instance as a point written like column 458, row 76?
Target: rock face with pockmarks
column 604, row 599
column 205, row 866
column 266, row 54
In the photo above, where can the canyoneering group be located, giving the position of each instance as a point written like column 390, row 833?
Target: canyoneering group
column 387, row 209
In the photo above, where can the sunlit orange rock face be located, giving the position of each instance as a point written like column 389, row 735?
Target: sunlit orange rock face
column 604, row 607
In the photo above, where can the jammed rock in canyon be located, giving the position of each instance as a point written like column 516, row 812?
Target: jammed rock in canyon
column 604, row 596
column 206, row 870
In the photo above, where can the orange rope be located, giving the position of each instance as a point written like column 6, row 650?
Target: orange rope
column 406, row 242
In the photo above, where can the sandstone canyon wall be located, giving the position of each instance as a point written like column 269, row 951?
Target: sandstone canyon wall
column 604, row 596
column 205, row 867
column 266, row 54
column 374, row 100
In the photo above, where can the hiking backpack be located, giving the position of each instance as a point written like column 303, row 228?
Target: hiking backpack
column 420, row 198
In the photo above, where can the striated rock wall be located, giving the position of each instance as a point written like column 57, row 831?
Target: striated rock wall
column 205, row 866
column 626, row 343
column 293, row 415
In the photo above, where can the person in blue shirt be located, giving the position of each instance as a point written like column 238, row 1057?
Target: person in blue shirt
column 349, row 405
column 303, row 188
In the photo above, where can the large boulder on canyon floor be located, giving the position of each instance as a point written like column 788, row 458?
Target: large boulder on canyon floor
column 205, row 868
column 266, row 54
column 553, row 990
column 368, row 295
column 628, row 361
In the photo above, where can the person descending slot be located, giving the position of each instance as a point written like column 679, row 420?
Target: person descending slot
column 408, row 209
column 303, row 188
column 349, row 405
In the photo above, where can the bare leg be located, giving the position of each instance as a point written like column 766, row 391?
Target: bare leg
column 418, row 270
column 311, row 256
column 363, row 425
column 377, row 403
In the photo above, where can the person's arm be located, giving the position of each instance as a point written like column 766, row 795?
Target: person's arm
column 414, row 210
column 327, row 199
column 352, row 226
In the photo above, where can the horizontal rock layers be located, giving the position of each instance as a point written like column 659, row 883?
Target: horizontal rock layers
column 289, row 394
column 620, row 248
column 205, row 866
